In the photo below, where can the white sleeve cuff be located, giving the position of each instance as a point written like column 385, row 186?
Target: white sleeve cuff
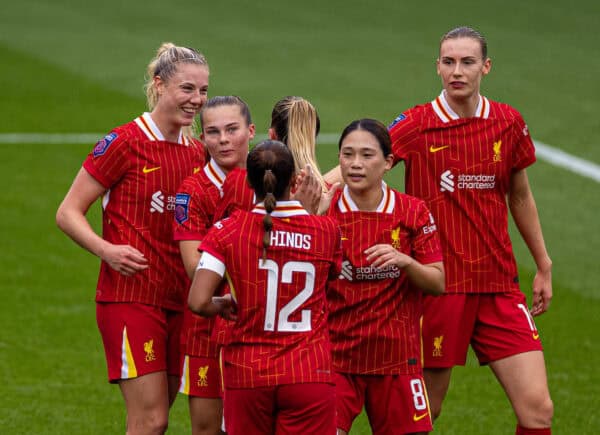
column 210, row 262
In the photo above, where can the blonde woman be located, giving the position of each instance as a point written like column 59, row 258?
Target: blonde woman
column 136, row 169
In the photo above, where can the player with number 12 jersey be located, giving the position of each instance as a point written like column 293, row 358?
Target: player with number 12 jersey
column 281, row 333
column 277, row 259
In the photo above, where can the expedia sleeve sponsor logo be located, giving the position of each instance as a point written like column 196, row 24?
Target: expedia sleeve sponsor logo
column 431, row 227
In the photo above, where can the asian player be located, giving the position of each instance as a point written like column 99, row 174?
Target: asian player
column 391, row 254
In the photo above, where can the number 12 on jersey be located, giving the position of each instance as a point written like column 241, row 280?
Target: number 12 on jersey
column 273, row 281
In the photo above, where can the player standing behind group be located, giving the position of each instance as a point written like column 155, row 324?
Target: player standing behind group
column 295, row 122
column 136, row 169
column 226, row 132
column 391, row 254
column 465, row 156
column 277, row 259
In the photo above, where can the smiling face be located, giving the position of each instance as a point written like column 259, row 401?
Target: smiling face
column 226, row 134
column 461, row 66
column 182, row 96
column 363, row 163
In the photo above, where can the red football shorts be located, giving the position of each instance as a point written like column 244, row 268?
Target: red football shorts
column 307, row 408
column 139, row 339
column 395, row 404
column 201, row 377
column 497, row 325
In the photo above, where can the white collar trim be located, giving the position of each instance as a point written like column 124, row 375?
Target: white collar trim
column 446, row 114
column 388, row 201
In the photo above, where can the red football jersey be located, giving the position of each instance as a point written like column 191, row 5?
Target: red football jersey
column 142, row 172
column 237, row 194
column 462, row 167
column 196, row 202
column 281, row 334
column 375, row 313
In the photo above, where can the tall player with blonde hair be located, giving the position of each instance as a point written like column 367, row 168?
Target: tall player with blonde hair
column 136, row 169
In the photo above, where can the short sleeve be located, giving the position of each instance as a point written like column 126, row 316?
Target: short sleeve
column 404, row 133
column 524, row 149
column 191, row 220
column 110, row 159
column 426, row 243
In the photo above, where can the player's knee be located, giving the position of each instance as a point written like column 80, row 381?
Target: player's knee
column 546, row 412
column 155, row 424
column 206, row 427
column 539, row 412
column 158, row 425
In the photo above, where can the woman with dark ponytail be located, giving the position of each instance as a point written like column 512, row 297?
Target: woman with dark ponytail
column 278, row 259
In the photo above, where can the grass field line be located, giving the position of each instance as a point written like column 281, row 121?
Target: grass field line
column 554, row 156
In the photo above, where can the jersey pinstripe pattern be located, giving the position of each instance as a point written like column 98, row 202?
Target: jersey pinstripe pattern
column 281, row 334
column 237, row 194
column 462, row 167
column 204, row 192
column 141, row 172
column 375, row 314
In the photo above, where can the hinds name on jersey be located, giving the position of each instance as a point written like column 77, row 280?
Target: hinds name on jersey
column 290, row 240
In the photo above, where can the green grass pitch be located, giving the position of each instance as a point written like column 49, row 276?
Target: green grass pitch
column 77, row 67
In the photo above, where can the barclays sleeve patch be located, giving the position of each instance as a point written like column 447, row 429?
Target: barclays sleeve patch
column 182, row 205
column 103, row 144
column 400, row 118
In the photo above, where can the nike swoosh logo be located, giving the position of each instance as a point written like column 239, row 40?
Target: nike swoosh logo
column 433, row 149
column 197, row 169
column 344, row 238
column 535, row 336
column 146, row 170
column 419, row 417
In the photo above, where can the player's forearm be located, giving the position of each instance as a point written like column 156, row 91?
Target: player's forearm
column 428, row 277
column 200, row 299
column 75, row 225
column 525, row 214
column 527, row 220
column 205, row 309
column 190, row 256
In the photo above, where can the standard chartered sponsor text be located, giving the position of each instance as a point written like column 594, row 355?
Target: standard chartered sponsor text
column 478, row 181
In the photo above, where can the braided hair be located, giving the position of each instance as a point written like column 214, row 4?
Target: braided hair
column 270, row 167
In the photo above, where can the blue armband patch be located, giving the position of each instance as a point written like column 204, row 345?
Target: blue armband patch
column 103, row 144
column 400, row 118
column 182, row 203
